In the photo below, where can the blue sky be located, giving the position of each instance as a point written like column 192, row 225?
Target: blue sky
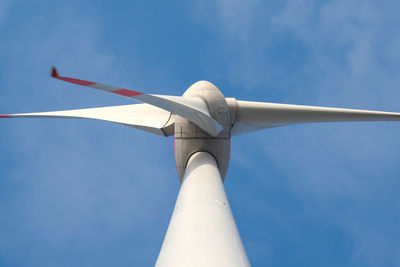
column 90, row 193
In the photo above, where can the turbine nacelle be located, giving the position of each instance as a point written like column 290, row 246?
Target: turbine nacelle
column 190, row 138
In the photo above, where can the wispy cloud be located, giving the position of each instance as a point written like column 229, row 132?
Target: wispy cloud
column 348, row 40
column 74, row 179
column 339, row 53
column 82, row 193
column 4, row 7
column 347, row 47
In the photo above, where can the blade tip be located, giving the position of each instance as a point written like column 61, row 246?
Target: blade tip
column 54, row 72
column 5, row 116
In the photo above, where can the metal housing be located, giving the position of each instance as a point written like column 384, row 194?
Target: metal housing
column 189, row 138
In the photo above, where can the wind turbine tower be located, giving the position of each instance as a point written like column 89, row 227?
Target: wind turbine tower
column 202, row 230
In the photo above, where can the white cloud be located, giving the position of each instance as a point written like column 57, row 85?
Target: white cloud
column 78, row 178
column 345, row 172
column 4, row 7
column 237, row 17
column 347, row 40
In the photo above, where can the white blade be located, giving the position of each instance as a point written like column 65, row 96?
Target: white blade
column 252, row 116
column 140, row 116
column 192, row 108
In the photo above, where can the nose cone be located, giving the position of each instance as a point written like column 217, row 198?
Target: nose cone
column 215, row 101
column 202, row 88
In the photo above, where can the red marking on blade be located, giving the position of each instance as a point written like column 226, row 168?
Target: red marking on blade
column 75, row 81
column 5, row 116
column 54, row 74
column 126, row 92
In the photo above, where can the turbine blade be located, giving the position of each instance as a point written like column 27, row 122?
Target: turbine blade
column 252, row 116
column 192, row 108
column 141, row 116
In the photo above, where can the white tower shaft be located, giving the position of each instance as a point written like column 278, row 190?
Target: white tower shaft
column 202, row 231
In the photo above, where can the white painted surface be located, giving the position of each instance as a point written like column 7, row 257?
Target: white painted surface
column 193, row 109
column 141, row 116
column 202, row 231
column 252, row 116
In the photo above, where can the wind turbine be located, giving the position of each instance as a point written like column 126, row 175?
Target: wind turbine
column 202, row 230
